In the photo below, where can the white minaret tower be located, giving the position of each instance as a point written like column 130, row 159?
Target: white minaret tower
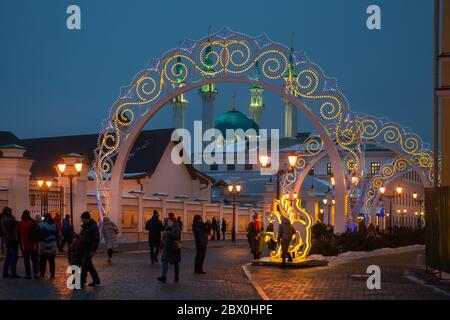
column 256, row 106
column 290, row 111
column 179, row 103
column 208, row 94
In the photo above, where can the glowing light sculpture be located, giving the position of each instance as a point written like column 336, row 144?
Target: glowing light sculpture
column 290, row 208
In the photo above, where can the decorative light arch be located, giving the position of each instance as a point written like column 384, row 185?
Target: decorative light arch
column 411, row 152
column 225, row 56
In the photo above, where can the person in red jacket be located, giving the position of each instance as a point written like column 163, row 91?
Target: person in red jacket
column 59, row 222
column 27, row 231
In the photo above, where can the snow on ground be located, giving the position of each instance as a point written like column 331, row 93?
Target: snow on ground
column 354, row 255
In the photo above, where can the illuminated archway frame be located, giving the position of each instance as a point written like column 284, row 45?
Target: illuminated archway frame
column 388, row 173
column 377, row 131
column 222, row 57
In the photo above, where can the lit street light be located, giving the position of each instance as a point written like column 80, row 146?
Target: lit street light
column 44, row 188
column 66, row 171
column 264, row 161
column 234, row 190
column 420, row 201
column 398, row 191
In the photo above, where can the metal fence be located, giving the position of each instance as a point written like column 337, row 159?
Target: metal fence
column 51, row 200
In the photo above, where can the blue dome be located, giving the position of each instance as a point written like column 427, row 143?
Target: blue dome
column 234, row 119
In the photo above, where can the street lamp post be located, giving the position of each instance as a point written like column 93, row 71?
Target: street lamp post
column 44, row 188
column 396, row 193
column 265, row 162
column 328, row 201
column 419, row 201
column 234, row 190
column 62, row 168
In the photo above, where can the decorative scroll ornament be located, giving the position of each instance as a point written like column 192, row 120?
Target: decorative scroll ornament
column 312, row 147
column 388, row 171
column 405, row 142
column 300, row 220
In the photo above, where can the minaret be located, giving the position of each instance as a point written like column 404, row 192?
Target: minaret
column 256, row 106
column 290, row 111
column 179, row 103
column 208, row 94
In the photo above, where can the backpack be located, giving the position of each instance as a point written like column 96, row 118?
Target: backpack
column 35, row 233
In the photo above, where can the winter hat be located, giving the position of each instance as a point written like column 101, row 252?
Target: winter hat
column 85, row 215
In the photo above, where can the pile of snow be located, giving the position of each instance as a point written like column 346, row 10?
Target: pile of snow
column 354, row 255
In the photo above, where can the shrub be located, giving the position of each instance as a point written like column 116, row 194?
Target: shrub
column 326, row 243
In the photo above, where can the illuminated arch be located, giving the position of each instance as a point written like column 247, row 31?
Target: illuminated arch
column 222, row 57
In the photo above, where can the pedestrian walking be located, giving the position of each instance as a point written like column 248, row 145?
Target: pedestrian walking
column 272, row 244
column 89, row 241
column 171, row 250
column 214, row 228
column 201, row 232
column 38, row 218
column 28, row 233
column 73, row 253
column 218, row 229
column 154, row 226
column 285, row 234
column 67, row 233
column 109, row 232
column 255, row 235
column 9, row 224
column 180, row 223
column 48, row 245
column 2, row 242
column 224, row 228
column 170, row 216
column 59, row 222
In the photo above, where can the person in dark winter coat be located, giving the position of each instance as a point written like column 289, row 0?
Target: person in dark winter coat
column 89, row 241
column 73, row 254
column 218, row 229
column 9, row 224
column 223, row 228
column 180, row 223
column 214, row 228
column 285, row 234
column 154, row 226
column 255, row 236
column 201, row 232
column 67, row 233
column 171, row 250
column 2, row 242
column 48, row 244
column 272, row 244
column 28, row 231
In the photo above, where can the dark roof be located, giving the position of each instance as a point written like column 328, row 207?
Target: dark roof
column 7, row 137
column 143, row 159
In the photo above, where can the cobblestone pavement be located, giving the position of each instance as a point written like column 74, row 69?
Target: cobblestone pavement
column 131, row 276
column 401, row 278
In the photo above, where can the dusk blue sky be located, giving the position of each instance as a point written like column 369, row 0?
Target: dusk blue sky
column 59, row 82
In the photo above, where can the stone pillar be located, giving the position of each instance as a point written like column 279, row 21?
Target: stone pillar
column 185, row 213
column 311, row 204
column 15, row 176
column 140, row 197
column 220, row 212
